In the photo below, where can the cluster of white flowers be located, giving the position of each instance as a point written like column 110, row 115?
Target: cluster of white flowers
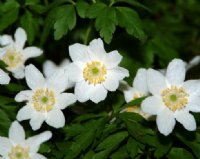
column 92, row 73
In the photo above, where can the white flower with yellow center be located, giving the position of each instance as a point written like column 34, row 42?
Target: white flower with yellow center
column 49, row 67
column 17, row 147
column 94, row 71
column 139, row 89
column 172, row 99
column 15, row 54
column 46, row 100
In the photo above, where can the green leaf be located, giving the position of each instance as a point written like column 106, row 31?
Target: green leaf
column 30, row 25
column 106, row 23
column 120, row 153
column 4, row 123
column 176, row 153
column 31, row 2
column 132, row 147
column 112, row 141
column 134, row 3
column 134, row 102
column 9, row 15
column 192, row 144
column 129, row 19
column 82, row 8
column 65, row 21
column 95, row 9
column 162, row 48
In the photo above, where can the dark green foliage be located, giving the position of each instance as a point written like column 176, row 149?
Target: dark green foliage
column 147, row 33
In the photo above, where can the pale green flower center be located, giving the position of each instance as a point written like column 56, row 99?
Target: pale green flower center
column 43, row 100
column 175, row 98
column 12, row 58
column 19, row 152
column 95, row 72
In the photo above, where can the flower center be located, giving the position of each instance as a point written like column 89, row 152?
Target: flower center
column 138, row 95
column 94, row 72
column 12, row 58
column 19, row 152
column 175, row 98
column 43, row 100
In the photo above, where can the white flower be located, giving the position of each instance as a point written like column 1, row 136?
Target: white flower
column 94, row 71
column 17, row 147
column 46, row 100
column 172, row 99
column 49, row 67
column 139, row 89
column 15, row 54
column 192, row 63
column 4, row 78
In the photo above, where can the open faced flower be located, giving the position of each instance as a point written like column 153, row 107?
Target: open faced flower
column 139, row 89
column 46, row 99
column 172, row 99
column 49, row 67
column 94, row 71
column 17, row 147
column 15, row 54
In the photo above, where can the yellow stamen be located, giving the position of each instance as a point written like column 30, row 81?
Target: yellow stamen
column 43, row 100
column 95, row 72
column 175, row 98
column 12, row 58
column 19, row 152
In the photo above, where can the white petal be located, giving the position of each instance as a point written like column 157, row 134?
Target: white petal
column 24, row 96
column 5, row 145
column 193, row 62
column 65, row 63
column 18, row 73
column 112, row 59
column 112, row 82
column 6, row 40
column 20, row 38
column 58, row 80
column 98, row 93
column 35, row 141
column 129, row 94
column 38, row 156
column 140, row 81
column 30, row 52
column 96, row 49
column 4, row 78
column 82, row 91
column 16, row 133
column 192, row 86
column 56, row 118
column 2, row 52
column 25, row 113
column 65, row 99
column 156, row 81
column 193, row 104
column 36, row 121
column 119, row 72
column 33, row 76
column 78, row 52
column 176, row 72
column 165, row 121
column 75, row 72
column 49, row 67
column 186, row 119
column 152, row 105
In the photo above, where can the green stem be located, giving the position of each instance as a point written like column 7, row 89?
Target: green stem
column 87, row 34
column 46, row 2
